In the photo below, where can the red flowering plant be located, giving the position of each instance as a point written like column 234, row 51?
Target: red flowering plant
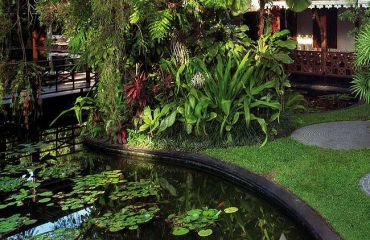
column 136, row 92
column 165, row 78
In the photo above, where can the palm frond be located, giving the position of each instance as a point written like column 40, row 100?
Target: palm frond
column 361, row 86
column 363, row 48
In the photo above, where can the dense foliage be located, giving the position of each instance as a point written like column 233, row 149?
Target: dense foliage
column 19, row 78
column 127, row 205
column 165, row 65
column 361, row 82
column 361, row 17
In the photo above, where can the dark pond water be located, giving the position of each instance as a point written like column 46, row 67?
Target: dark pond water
column 86, row 195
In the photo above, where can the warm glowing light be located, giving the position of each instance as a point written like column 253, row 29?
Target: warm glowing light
column 305, row 41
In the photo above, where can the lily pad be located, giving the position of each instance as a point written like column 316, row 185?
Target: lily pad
column 205, row 233
column 45, row 194
column 231, row 210
column 180, row 231
column 44, row 200
column 13, row 223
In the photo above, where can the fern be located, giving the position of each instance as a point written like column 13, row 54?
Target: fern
column 140, row 9
column 161, row 25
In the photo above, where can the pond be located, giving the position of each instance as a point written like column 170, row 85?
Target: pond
column 85, row 195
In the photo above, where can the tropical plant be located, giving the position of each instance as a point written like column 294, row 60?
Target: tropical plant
column 294, row 5
column 361, row 82
column 82, row 105
column 18, row 77
column 135, row 92
column 209, row 70
column 194, row 112
column 158, row 120
column 298, row 5
column 361, row 86
column 235, row 90
column 294, row 101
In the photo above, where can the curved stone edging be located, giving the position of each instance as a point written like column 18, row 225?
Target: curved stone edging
column 297, row 208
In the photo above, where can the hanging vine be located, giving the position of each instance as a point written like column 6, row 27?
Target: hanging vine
column 19, row 77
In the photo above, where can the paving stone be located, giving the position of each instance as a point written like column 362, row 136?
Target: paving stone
column 336, row 135
column 365, row 184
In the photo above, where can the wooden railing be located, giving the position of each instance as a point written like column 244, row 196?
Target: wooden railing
column 58, row 142
column 332, row 64
column 61, row 75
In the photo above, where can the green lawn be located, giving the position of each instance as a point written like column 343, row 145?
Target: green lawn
column 361, row 112
column 326, row 179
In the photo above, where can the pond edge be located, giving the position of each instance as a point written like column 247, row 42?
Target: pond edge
column 297, row 208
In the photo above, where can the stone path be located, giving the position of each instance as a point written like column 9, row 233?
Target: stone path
column 336, row 135
column 365, row 184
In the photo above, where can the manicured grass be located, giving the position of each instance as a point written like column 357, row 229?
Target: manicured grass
column 326, row 179
column 361, row 112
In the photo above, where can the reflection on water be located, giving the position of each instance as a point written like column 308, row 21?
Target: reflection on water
column 180, row 190
column 72, row 220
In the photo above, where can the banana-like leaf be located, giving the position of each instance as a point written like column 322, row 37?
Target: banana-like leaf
column 226, row 106
column 247, row 112
column 284, row 58
column 289, row 44
column 259, row 103
column 263, row 126
column 298, row 5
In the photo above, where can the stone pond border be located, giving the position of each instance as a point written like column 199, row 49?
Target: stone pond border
column 284, row 199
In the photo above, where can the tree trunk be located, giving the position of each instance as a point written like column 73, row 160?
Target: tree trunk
column 261, row 17
column 321, row 19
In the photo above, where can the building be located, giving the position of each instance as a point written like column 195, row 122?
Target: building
column 325, row 47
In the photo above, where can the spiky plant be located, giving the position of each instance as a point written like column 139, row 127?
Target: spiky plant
column 361, row 86
column 361, row 82
column 363, row 47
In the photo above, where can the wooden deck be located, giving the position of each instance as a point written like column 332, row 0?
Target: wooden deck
column 65, row 80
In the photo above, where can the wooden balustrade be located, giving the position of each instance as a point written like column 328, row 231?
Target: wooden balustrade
column 333, row 64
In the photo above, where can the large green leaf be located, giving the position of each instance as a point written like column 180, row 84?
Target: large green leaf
column 226, row 106
column 289, row 44
column 168, row 122
column 298, row 5
column 240, row 7
column 180, row 231
column 284, row 58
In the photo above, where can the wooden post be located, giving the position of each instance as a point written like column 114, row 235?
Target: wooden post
column 275, row 14
column 319, row 15
column 261, row 17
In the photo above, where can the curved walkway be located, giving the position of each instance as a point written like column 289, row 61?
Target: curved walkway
column 344, row 135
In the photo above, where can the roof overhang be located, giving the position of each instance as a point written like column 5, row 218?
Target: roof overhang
column 316, row 4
